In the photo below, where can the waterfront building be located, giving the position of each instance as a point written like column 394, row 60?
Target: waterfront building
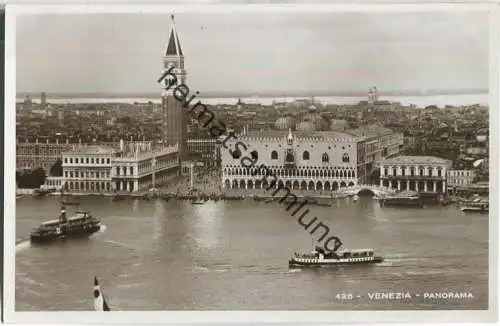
column 174, row 117
column 415, row 173
column 87, row 168
column 53, row 183
column 374, row 144
column 459, row 178
column 33, row 154
column 307, row 161
column 132, row 168
column 318, row 160
column 142, row 168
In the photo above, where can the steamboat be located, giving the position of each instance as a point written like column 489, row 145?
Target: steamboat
column 80, row 225
column 319, row 258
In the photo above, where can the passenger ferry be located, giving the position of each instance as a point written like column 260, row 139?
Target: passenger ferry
column 80, row 225
column 320, row 258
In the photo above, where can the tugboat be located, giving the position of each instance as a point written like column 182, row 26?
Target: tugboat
column 80, row 225
column 320, row 258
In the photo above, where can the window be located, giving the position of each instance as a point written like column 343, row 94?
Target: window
column 394, row 171
column 255, row 155
column 65, row 160
column 305, row 155
column 108, row 161
column 325, row 158
column 386, row 171
column 131, row 170
column 412, row 171
column 117, row 170
column 274, row 155
column 439, row 172
column 345, row 158
column 92, row 160
column 70, row 160
column 87, row 160
column 76, row 160
column 430, row 171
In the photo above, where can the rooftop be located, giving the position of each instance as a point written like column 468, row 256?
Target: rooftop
column 91, row 149
column 369, row 131
column 297, row 134
column 416, row 160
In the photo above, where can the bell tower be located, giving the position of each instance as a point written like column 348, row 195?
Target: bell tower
column 174, row 116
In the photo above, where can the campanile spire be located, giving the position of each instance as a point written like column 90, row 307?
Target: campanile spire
column 173, row 45
column 174, row 117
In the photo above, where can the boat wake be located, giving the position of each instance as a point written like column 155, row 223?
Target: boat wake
column 102, row 229
column 23, row 245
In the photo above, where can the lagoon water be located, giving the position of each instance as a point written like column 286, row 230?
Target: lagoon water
column 157, row 255
column 418, row 101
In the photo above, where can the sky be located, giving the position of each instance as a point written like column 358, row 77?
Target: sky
column 254, row 52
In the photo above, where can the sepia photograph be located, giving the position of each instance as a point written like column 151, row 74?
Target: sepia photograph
column 170, row 159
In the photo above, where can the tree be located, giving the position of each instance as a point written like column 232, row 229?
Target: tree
column 56, row 169
column 31, row 179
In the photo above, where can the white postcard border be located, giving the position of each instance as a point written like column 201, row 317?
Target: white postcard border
column 178, row 317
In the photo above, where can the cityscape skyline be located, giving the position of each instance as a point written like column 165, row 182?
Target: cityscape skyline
column 434, row 51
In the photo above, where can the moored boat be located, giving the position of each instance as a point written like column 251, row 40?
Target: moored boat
column 320, row 258
column 478, row 207
column 198, row 201
column 409, row 199
column 80, row 225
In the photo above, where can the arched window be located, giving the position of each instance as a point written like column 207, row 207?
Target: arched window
column 305, row 155
column 345, row 158
column 325, row 158
column 274, row 155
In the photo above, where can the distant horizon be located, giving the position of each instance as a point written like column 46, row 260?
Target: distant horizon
column 214, row 94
